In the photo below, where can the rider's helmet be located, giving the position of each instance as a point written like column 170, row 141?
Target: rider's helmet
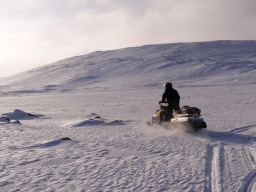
column 168, row 85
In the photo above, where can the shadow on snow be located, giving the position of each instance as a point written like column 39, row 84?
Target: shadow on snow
column 233, row 136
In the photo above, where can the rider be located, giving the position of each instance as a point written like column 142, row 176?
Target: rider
column 172, row 97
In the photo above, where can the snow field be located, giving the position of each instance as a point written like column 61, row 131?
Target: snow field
column 131, row 156
column 90, row 132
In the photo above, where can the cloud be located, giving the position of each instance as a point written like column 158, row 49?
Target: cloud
column 38, row 32
column 201, row 20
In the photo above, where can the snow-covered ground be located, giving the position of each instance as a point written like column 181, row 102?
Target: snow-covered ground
column 80, row 124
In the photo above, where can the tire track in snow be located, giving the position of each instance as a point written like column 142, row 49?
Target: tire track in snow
column 208, row 168
column 252, row 155
column 216, row 169
column 249, row 182
column 247, row 158
column 213, row 167
column 252, row 184
column 234, row 163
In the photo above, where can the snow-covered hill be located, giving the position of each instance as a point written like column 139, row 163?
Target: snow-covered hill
column 218, row 63
column 80, row 124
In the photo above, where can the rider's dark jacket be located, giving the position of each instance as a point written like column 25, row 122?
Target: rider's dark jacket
column 172, row 97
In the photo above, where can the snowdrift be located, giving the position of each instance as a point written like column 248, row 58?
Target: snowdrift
column 96, row 120
column 18, row 114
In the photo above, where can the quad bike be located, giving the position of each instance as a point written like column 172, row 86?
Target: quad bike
column 188, row 116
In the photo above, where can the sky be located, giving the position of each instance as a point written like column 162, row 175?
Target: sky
column 38, row 32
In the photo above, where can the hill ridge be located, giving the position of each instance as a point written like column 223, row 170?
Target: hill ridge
column 144, row 66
